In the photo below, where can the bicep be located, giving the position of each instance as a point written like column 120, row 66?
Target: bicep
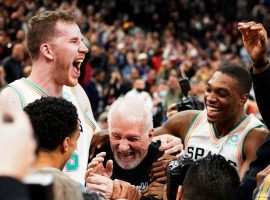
column 177, row 124
column 252, row 143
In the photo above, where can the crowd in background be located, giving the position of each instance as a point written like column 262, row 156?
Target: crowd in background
column 139, row 44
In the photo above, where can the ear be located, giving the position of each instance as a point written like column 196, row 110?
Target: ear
column 243, row 99
column 151, row 134
column 46, row 50
column 66, row 144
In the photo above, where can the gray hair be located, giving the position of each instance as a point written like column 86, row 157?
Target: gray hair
column 134, row 109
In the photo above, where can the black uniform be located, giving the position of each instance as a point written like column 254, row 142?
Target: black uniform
column 139, row 176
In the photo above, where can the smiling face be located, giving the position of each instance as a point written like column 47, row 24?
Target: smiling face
column 222, row 99
column 68, row 53
column 129, row 141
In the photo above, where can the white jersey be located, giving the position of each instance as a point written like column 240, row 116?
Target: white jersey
column 77, row 164
column 201, row 138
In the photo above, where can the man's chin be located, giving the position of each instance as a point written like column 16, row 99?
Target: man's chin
column 127, row 165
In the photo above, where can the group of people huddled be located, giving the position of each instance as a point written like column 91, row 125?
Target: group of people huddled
column 48, row 125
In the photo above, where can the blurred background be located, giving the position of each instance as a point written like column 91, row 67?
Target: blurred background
column 138, row 45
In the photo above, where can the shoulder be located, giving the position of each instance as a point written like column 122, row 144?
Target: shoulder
column 9, row 97
column 179, row 123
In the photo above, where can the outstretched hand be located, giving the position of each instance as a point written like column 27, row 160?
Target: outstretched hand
column 96, row 166
column 255, row 40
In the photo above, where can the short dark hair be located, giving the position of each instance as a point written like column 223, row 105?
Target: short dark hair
column 53, row 119
column 238, row 73
column 211, row 178
column 41, row 28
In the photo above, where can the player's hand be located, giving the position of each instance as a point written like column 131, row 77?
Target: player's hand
column 124, row 190
column 17, row 144
column 98, row 140
column 155, row 189
column 158, row 171
column 96, row 166
column 262, row 174
column 255, row 40
column 169, row 143
column 101, row 184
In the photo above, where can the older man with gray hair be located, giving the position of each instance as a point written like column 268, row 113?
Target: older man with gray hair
column 131, row 152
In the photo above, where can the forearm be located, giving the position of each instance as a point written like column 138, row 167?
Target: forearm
column 261, row 83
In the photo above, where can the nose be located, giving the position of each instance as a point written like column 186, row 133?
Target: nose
column 83, row 48
column 211, row 97
column 123, row 145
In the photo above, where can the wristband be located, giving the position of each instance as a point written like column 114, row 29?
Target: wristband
column 260, row 64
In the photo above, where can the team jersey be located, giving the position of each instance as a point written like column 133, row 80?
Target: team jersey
column 201, row 138
column 77, row 164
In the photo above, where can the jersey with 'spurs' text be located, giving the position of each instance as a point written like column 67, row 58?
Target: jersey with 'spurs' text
column 201, row 138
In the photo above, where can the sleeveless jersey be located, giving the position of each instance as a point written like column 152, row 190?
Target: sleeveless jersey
column 201, row 138
column 77, row 164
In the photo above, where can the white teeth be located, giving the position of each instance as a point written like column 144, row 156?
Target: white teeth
column 79, row 60
column 211, row 109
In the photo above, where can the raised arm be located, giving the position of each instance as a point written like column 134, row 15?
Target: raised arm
column 256, row 43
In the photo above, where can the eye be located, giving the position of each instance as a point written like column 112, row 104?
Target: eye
column 133, row 139
column 116, row 137
column 208, row 90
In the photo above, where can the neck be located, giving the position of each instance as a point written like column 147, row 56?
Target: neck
column 49, row 159
column 41, row 75
column 226, row 127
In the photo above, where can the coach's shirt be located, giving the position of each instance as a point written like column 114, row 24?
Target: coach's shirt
column 140, row 175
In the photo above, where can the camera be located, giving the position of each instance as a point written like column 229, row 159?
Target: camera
column 188, row 102
column 176, row 171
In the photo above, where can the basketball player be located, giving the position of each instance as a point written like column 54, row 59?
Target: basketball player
column 222, row 128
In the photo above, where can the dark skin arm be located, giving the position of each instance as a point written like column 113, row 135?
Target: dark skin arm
column 252, row 143
column 178, row 124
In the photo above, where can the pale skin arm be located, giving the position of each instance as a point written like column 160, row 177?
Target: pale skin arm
column 253, row 141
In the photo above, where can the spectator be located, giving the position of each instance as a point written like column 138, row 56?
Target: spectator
column 13, row 64
column 138, row 90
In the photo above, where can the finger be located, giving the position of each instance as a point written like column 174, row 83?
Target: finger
column 161, row 167
column 96, row 187
column 124, row 189
column 116, row 189
column 109, row 167
column 158, row 175
column 158, row 163
column 101, row 154
column 175, row 149
column 161, row 179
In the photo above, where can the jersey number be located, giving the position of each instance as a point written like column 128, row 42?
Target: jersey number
column 73, row 162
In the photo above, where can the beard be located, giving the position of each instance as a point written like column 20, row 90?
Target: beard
column 128, row 162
